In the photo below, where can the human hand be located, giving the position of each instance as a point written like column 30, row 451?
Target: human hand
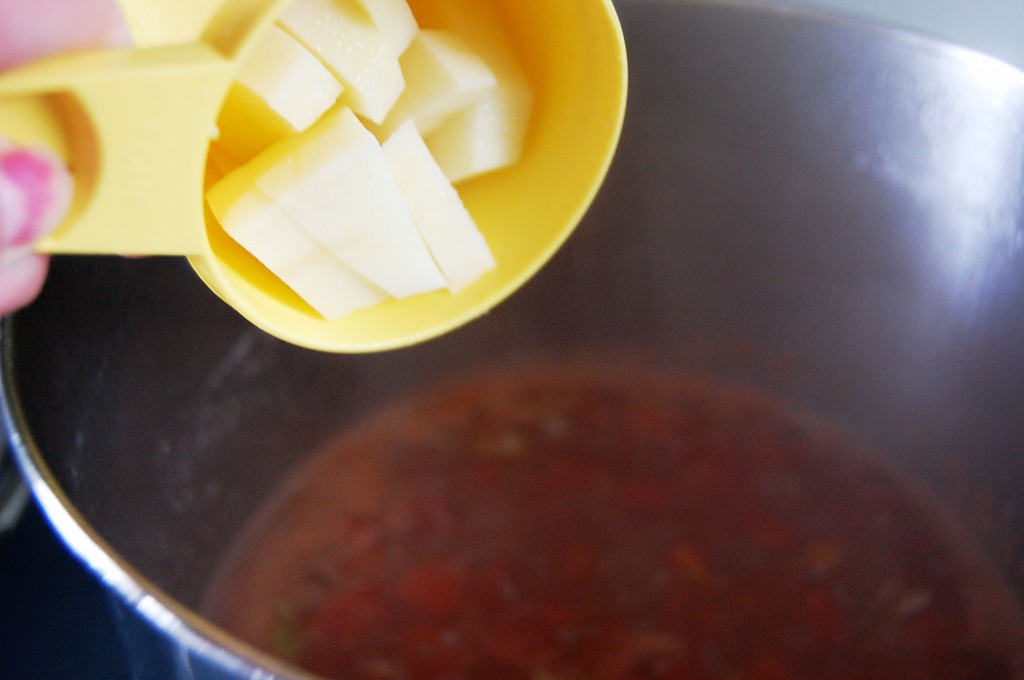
column 35, row 187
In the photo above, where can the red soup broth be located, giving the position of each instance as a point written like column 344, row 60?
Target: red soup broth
column 571, row 525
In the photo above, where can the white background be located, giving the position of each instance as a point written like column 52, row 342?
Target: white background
column 992, row 26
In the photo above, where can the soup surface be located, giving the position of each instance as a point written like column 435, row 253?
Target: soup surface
column 567, row 524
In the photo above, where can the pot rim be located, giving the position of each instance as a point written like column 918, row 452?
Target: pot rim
column 14, row 495
column 192, row 632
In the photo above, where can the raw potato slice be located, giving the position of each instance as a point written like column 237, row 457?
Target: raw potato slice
column 451, row 234
column 490, row 133
column 263, row 228
column 310, row 191
column 485, row 136
column 342, row 35
column 481, row 26
column 395, row 21
column 441, row 76
column 294, row 84
column 334, row 181
column 281, row 89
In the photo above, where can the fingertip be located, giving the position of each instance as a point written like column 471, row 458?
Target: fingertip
column 30, row 30
column 21, row 278
column 35, row 193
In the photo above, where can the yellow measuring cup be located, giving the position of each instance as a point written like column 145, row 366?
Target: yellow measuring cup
column 135, row 126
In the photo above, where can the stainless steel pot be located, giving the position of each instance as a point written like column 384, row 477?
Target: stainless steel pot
column 827, row 210
column 13, row 492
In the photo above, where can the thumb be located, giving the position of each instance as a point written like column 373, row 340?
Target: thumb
column 35, row 191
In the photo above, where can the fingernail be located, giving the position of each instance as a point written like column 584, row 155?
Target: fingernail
column 35, row 190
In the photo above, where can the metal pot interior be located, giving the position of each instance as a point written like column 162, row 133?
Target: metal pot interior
column 828, row 211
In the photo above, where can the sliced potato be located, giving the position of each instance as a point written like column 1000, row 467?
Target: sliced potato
column 394, row 19
column 442, row 76
column 334, row 181
column 343, row 36
column 281, row 89
column 263, row 228
column 447, row 228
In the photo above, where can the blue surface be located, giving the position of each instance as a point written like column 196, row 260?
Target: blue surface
column 55, row 618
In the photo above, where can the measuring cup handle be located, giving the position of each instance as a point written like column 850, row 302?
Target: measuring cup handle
column 138, row 125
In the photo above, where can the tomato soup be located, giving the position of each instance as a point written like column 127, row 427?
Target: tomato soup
column 570, row 525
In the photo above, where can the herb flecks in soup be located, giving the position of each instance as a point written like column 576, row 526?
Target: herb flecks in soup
column 568, row 525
